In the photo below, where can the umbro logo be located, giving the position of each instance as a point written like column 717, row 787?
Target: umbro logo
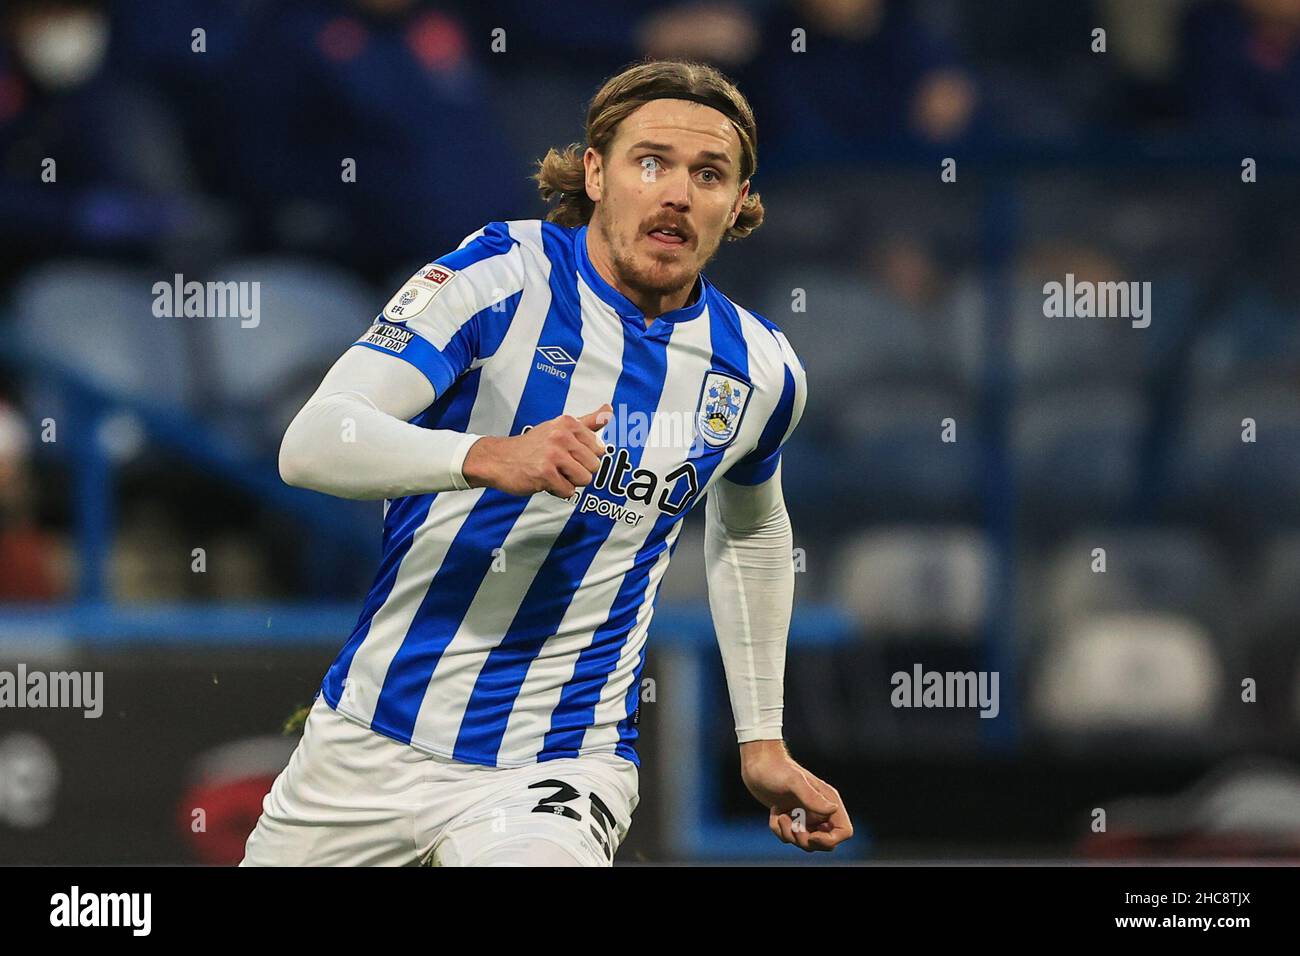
column 555, row 355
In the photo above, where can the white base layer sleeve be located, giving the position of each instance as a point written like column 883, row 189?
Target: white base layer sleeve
column 352, row 438
column 748, row 547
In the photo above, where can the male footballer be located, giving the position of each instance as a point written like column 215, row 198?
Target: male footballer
column 539, row 410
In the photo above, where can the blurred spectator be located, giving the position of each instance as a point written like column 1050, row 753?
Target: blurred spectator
column 395, row 86
column 119, row 170
column 191, row 52
column 1144, row 36
column 871, row 75
column 33, row 562
column 1038, row 74
column 597, row 39
column 1241, row 64
column 722, row 33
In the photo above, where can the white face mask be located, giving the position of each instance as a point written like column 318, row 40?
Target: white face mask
column 64, row 50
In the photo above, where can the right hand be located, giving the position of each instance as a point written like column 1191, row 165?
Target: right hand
column 558, row 456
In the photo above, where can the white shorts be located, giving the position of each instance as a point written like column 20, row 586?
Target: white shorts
column 353, row 797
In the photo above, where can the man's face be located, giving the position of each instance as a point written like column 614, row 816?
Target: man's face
column 665, row 193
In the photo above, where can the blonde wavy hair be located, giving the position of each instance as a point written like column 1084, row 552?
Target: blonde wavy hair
column 561, row 177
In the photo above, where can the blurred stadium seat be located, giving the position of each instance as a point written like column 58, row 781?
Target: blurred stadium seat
column 310, row 313
column 1215, row 474
column 916, row 583
column 96, row 320
column 1168, row 570
column 1060, row 351
column 889, row 442
column 1140, row 672
column 1076, row 453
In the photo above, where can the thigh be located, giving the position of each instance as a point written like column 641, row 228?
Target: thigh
column 347, row 798
column 568, row 812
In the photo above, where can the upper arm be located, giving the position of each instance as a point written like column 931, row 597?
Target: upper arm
column 393, row 387
column 453, row 310
column 761, row 463
column 739, row 507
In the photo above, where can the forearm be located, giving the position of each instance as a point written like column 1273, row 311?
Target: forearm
column 352, row 438
column 342, row 445
column 748, row 553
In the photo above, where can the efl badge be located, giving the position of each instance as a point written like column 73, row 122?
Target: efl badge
column 418, row 292
column 722, row 402
column 410, row 301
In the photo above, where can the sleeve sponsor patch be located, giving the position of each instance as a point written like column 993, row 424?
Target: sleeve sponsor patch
column 391, row 338
column 418, row 292
column 438, row 275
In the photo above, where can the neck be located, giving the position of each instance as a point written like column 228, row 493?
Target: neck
column 651, row 304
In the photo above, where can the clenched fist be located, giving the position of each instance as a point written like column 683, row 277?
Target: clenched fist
column 558, row 456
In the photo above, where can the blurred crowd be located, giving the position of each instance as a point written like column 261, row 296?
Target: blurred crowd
column 184, row 126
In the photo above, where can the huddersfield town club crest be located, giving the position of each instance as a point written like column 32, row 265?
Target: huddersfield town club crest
column 722, row 402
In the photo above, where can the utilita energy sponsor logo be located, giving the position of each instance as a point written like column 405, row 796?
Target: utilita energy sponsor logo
column 922, row 688
column 1100, row 300
column 56, row 689
column 103, row 909
column 209, row 300
column 671, row 494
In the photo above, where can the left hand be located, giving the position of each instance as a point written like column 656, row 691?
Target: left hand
column 803, row 809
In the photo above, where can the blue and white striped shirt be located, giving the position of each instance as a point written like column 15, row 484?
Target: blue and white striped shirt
column 505, row 630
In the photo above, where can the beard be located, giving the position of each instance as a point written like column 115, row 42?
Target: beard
column 650, row 276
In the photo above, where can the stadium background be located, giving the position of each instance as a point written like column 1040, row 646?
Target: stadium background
column 911, row 300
